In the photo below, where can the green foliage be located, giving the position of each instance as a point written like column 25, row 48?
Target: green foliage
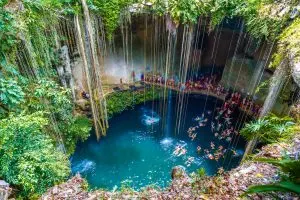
column 269, row 129
column 290, row 180
column 278, row 187
column 290, row 167
column 260, row 22
column 110, row 11
column 11, row 93
column 288, row 44
column 77, row 129
column 184, row 11
column 219, row 9
column 8, row 30
column 201, row 172
column 28, row 158
column 47, row 95
column 120, row 101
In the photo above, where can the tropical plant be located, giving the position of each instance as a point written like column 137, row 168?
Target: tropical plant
column 28, row 158
column 110, row 10
column 201, row 172
column 8, row 30
column 290, row 178
column 288, row 44
column 47, row 95
column 269, row 129
column 11, row 94
column 184, row 11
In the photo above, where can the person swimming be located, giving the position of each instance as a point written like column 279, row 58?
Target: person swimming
column 219, row 127
column 212, row 127
column 210, row 156
column 177, row 150
column 183, row 151
column 198, row 149
column 206, row 151
column 212, row 145
column 201, row 124
column 189, row 161
column 194, row 136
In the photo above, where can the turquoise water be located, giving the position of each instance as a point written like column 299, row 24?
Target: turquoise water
column 140, row 143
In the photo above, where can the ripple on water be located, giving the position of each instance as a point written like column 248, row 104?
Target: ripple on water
column 166, row 143
column 84, row 166
column 149, row 117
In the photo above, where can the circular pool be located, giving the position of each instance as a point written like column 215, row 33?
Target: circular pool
column 141, row 146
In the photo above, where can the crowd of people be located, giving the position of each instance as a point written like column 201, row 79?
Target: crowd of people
column 211, row 84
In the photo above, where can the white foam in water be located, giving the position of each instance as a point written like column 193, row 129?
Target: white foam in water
column 166, row 143
column 84, row 166
column 149, row 117
column 150, row 120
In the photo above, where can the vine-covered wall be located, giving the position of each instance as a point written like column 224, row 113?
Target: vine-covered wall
column 37, row 113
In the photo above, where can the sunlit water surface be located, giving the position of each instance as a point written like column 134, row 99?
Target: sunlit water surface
column 139, row 152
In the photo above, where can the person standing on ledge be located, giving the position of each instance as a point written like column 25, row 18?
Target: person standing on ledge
column 133, row 76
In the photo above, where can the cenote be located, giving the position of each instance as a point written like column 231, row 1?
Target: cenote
column 139, row 147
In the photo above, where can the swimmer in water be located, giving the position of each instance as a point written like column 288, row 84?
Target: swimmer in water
column 182, row 152
column 234, row 152
column 212, row 126
column 177, row 149
column 227, row 120
column 198, row 149
column 206, row 151
column 219, row 127
column 216, row 134
column 212, row 145
column 189, row 161
column 201, row 124
column 211, row 157
column 197, row 119
column 194, row 136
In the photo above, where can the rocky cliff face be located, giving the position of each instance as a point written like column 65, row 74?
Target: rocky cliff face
column 296, row 72
column 5, row 190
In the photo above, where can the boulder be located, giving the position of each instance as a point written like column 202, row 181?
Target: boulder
column 178, row 172
column 83, row 104
column 5, row 190
column 296, row 72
